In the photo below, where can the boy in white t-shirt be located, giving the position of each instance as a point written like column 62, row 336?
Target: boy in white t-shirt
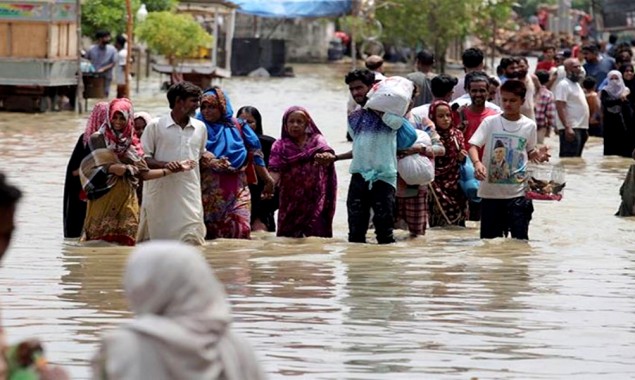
column 509, row 142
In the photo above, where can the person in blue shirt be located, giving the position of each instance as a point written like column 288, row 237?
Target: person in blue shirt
column 376, row 138
column 103, row 57
column 597, row 65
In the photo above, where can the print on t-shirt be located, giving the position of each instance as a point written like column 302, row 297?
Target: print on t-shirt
column 507, row 164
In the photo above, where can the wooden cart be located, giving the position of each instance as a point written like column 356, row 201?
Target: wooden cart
column 39, row 53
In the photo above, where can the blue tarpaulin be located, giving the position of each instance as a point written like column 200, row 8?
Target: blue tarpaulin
column 294, row 8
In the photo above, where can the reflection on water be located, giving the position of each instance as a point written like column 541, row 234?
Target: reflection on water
column 443, row 306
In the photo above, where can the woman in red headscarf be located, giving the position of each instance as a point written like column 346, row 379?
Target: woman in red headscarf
column 307, row 187
column 110, row 176
column 448, row 204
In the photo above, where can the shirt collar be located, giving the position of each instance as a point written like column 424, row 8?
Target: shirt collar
column 173, row 123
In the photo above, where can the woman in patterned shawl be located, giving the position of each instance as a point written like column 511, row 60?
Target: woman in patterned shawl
column 110, row 176
column 239, row 162
column 448, row 205
column 307, row 189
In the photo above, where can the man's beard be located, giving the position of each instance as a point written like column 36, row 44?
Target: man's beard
column 190, row 112
column 573, row 77
column 479, row 101
column 513, row 75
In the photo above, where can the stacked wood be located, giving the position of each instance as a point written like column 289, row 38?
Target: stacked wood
column 526, row 41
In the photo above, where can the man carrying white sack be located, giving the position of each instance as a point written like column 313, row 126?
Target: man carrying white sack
column 374, row 167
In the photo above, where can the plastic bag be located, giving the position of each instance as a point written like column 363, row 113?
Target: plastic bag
column 468, row 182
column 391, row 95
column 417, row 169
column 545, row 182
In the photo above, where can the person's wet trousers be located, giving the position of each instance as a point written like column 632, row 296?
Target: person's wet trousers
column 362, row 197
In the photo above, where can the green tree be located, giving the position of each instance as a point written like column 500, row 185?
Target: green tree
column 436, row 24
column 492, row 14
column 431, row 23
column 176, row 36
column 160, row 5
column 110, row 15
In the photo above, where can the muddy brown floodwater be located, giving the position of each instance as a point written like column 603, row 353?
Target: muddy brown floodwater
column 443, row 306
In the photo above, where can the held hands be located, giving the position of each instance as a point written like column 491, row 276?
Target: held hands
column 217, row 164
column 180, row 166
column 269, row 189
column 324, row 158
column 174, row 166
column 187, row 165
column 220, row 164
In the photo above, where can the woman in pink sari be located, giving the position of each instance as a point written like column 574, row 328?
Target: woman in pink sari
column 307, row 187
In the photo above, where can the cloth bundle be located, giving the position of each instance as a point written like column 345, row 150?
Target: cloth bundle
column 392, row 95
column 417, row 169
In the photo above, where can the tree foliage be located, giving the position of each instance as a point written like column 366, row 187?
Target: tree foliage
column 492, row 13
column 176, row 36
column 110, row 15
column 160, row 5
column 434, row 24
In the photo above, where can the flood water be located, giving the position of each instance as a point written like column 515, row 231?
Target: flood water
column 443, row 306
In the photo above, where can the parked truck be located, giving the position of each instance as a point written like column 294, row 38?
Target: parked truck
column 39, row 54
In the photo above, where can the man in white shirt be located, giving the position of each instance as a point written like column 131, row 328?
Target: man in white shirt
column 103, row 57
column 442, row 87
column 573, row 111
column 120, row 68
column 472, row 59
column 172, row 208
column 465, row 100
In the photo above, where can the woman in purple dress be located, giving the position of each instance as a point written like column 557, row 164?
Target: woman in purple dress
column 307, row 188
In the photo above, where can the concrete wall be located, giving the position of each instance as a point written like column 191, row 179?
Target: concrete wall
column 307, row 40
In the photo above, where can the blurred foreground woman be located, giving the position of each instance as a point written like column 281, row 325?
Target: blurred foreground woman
column 182, row 324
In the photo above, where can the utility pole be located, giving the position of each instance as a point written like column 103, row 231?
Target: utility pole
column 564, row 16
column 128, row 46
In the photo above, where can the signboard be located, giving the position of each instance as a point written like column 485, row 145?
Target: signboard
column 55, row 10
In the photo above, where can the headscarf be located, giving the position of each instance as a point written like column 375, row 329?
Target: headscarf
column 121, row 142
column 223, row 138
column 630, row 84
column 561, row 74
column 144, row 115
column 182, row 321
column 449, row 138
column 432, row 116
column 97, row 118
column 615, row 88
column 291, row 152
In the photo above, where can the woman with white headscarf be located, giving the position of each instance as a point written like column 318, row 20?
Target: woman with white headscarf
column 617, row 117
column 182, row 324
